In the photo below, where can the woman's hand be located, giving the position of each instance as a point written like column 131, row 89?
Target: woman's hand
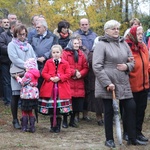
column 122, row 67
column 111, row 87
column 78, row 74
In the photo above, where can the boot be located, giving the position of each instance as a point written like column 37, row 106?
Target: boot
column 72, row 123
column 65, row 122
column 24, row 123
column 32, row 124
column 58, row 127
column 16, row 124
column 52, row 129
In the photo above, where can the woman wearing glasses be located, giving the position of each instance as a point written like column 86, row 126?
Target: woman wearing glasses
column 112, row 60
column 19, row 50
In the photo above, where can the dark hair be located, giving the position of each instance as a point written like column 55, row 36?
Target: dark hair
column 19, row 28
column 63, row 24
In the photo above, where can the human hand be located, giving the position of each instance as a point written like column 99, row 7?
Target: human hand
column 41, row 59
column 55, row 79
column 122, row 67
column 78, row 74
column 111, row 87
column 130, row 59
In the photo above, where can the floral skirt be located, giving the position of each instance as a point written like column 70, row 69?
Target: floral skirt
column 46, row 106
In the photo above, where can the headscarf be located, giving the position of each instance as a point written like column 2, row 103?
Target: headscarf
column 70, row 47
column 132, row 40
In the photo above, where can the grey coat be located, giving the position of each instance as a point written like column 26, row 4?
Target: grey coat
column 18, row 58
column 107, row 54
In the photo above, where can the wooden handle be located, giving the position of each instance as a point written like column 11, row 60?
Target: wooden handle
column 113, row 93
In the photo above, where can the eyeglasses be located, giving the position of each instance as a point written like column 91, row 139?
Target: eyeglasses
column 23, row 34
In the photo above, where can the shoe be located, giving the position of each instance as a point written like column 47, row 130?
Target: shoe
column 136, row 142
column 16, row 124
column 110, row 143
column 65, row 125
column 76, row 119
column 125, row 137
column 142, row 138
column 86, row 118
column 73, row 125
column 100, row 122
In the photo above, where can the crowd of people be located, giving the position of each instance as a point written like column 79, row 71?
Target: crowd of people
column 68, row 73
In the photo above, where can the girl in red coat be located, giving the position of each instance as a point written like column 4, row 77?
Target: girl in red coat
column 55, row 90
column 79, row 69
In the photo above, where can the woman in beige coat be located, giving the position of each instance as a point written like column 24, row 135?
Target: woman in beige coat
column 112, row 61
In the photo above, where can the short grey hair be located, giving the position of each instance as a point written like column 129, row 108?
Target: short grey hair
column 43, row 23
column 110, row 24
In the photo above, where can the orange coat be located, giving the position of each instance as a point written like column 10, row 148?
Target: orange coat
column 139, row 77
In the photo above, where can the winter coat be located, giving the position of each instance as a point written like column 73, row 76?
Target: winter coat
column 77, row 85
column 42, row 46
column 107, row 54
column 63, row 41
column 139, row 77
column 5, row 39
column 18, row 58
column 63, row 72
column 29, row 84
column 87, row 39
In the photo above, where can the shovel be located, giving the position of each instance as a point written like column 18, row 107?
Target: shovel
column 117, row 118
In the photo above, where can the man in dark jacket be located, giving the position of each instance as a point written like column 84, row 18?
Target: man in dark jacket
column 5, row 39
column 42, row 43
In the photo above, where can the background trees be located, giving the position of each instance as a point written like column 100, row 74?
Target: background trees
column 97, row 11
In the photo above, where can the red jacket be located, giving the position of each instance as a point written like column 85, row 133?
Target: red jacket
column 64, row 74
column 77, row 85
column 139, row 77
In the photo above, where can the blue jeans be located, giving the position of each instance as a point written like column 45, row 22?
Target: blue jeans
column 6, row 80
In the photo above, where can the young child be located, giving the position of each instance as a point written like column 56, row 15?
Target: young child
column 29, row 94
column 55, row 88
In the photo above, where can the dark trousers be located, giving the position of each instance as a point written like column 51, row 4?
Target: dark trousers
column 6, row 80
column 140, row 99
column 129, row 108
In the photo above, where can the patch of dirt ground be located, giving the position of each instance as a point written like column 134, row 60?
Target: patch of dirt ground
column 88, row 136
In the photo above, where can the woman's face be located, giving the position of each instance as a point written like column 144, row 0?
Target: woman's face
column 64, row 30
column 139, row 34
column 113, row 32
column 22, row 35
column 76, row 44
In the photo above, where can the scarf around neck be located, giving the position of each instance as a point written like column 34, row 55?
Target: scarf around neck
column 64, row 35
column 22, row 45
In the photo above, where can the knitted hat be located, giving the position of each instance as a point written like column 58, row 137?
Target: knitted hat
column 30, row 63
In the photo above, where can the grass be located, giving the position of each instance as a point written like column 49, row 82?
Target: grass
column 88, row 136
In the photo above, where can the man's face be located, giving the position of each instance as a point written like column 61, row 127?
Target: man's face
column 84, row 25
column 40, row 28
column 12, row 18
column 5, row 23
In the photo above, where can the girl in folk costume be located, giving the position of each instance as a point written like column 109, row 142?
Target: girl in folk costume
column 29, row 94
column 55, row 90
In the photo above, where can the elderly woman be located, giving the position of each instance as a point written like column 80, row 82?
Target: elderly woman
column 79, row 69
column 139, row 77
column 111, row 66
column 18, row 51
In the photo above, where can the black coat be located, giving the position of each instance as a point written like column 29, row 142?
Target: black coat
column 5, row 39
